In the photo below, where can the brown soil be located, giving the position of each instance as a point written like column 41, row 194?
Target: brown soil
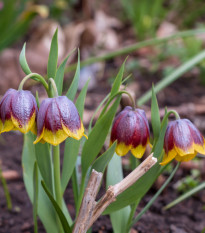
column 186, row 217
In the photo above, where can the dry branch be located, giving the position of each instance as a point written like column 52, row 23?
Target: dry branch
column 88, row 203
column 114, row 191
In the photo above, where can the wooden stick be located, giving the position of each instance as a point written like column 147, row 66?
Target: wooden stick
column 88, row 203
column 114, row 191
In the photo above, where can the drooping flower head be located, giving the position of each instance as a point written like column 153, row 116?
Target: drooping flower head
column 182, row 141
column 18, row 110
column 131, row 130
column 58, row 119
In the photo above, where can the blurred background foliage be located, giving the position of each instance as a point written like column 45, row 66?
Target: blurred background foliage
column 144, row 20
column 100, row 27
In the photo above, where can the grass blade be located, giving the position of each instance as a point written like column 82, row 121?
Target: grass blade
column 185, row 196
column 172, row 77
column 53, row 57
column 61, row 216
column 23, row 61
column 74, row 85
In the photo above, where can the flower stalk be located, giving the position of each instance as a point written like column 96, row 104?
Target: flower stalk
column 38, row 78
column 57, row 181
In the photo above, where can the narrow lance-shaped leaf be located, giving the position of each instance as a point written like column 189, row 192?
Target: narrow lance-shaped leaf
column 43, row 159
column 23, row 61
column 61, row 216
column 35, row 197
column 97, row 137
column 118, row 80
column 114, row 175
column 53, row 56
column 46, row 212
column 115, row 88
column 101, row 163
column 60, row 74
column 155, row 116
column 72, row 146
column 74, row 85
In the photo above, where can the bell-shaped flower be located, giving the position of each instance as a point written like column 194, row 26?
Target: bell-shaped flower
column 18, row 110
column 131, row 130
column 182, row 141
column 58, row 119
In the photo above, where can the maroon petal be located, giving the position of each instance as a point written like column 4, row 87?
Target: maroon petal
column 168, row 138
column 196, row 135
column 141, row 133
column 182, row 137
column 41, row 115
column 23, row 106
column 5, row 105
column 68, row 113
column 124, row 127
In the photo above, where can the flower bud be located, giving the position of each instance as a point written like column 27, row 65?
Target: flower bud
column 182, row 141
column 58, row 119
column 131, row 130
column 18, row 110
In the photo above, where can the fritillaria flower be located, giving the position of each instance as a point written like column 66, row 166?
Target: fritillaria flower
column 182, row 141
column 131, row 130
column 58, row 119
column 18, row 110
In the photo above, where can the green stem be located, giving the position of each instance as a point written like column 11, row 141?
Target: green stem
column 111, row 99
column 57, row 181
column 6, row 191
column 136, row 46
column 36, row 77
column 132, row 213
column 167, row 115
column 80, row 197
column 75, row 186
column 94, row 114
column 155, row 196
column 101, row 104
column 53, row 91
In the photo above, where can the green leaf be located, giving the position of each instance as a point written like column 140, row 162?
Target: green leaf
column 60, row 74
column 118, row 80
column 101, row 163
column 97, row 136
column 43, row 159
column 185, row 196
column 53, row 57
column 61, row 216
column 114, row 175
column 149, row 204
column 101, row 104
column 74, row 85
column 140, row 188
column 71, row 145
column 46, row 212
column 172, row 77
column 155, row 116
column 35, row 195
column 23, row 61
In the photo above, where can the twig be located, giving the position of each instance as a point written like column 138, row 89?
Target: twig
column 114, row 191
column 88, row 203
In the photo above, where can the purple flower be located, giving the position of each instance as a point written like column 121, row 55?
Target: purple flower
column 58, row 119
column 131, row 130
column 18, row 110
column 182, row 141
